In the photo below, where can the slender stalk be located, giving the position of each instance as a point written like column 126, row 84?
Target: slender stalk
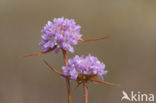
column 65, row 57
column 68, row 90
column 67, row 79
column 85, row 92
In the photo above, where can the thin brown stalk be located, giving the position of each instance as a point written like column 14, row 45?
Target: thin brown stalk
column 92, row 39
column 40, row 53
column 65, row 57
column 104, row 82
column 68, row 90
column 85, row 92
column 67, row 79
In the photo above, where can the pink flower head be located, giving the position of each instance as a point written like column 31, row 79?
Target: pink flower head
column 62, row 33
column 88, row 66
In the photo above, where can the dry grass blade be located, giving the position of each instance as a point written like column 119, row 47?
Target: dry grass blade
column 92, row 39
column 104, row 82
column 40, row 53
column 57, row 72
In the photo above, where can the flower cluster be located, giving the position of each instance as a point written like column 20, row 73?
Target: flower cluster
column 80, row 65
column 62, row 33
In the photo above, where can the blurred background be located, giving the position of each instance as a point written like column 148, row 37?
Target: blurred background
column 129, row 54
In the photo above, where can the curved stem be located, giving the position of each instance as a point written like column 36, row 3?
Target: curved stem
column 85, row 92
column 67, row 79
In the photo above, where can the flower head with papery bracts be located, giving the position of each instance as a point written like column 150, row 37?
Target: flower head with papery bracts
column 82, row 68
column 62, row 33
